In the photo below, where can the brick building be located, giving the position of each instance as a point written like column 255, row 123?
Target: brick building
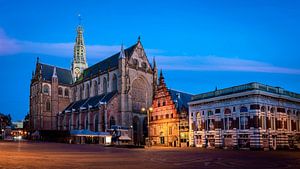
column 50, row 93
column 169, row 118
column 110, row 92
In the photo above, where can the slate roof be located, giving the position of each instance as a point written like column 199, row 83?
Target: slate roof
column 110, row 62
column 64, row 75
column 93, row 102
column 181, row 99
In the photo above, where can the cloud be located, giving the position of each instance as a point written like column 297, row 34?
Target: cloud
column 216, row 63
column 9, row 46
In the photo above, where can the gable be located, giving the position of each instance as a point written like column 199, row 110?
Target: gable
column 138, row 58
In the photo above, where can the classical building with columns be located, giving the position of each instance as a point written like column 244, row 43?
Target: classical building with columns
column 246, row 116
column 109, row 93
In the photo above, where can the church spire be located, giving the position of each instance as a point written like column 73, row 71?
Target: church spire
column 79, row 60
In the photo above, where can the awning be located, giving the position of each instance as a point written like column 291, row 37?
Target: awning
column 125, row 138
column 88, row 133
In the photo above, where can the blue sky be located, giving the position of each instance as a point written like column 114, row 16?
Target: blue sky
column 198, row 44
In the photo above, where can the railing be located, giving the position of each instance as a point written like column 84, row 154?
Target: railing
column 245, row 87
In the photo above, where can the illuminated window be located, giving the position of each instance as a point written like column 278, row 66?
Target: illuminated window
column 170, row 130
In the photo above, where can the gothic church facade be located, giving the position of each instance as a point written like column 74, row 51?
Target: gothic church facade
column 110, row 92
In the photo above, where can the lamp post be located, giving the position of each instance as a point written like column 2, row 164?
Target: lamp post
column 150, row 109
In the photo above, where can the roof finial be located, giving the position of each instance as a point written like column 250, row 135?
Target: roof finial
column 79, row 19
column 122, row 52
column 161, row 73
column 139, row 38
column 154, row 63
column 54, row 72
column 37, row 60
column 161, row 78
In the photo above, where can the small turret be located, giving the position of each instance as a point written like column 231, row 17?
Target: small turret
column 161, row 78
column 122, row 53
column 54, row 75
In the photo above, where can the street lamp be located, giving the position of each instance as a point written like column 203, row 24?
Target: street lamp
column 150, row 109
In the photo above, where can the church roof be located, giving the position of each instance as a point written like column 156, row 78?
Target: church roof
column 64, row 75
column 181, row 99
column 108, row 63
column 92, row 102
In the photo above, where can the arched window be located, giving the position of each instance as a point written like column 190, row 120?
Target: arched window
column 158, row 103
column 87, row 91
column 112, row 121
column 243, row 109
column 164, row 103
column 66, row 92
column 272, row 110
column 104, row 85
column 96, row 123
column 46, row 89
column 95, row 88
column 263, row 109
column 74, row 93
column 81, row 92
column 114, row 83
column 48, row 105
column 86, row 127
column 227, row 111
column 60, row 91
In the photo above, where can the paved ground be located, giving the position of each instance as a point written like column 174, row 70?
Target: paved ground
column 55, row 155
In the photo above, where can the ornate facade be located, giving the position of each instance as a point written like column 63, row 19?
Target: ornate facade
column 110, row 92
column 169, row 118
column 247, row 116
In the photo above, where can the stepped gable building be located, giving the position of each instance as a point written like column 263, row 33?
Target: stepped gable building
column 110, row 92
column 246, row 116
column 169, row 116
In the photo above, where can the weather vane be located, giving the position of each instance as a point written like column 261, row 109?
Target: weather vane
column 79, row 19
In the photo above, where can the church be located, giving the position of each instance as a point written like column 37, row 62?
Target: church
column 110, row 93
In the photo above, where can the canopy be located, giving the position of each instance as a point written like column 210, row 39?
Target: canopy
column 88, row 133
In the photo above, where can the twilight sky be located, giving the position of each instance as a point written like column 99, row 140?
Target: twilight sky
column 198, row 44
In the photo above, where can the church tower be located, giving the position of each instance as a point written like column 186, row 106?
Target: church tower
column 79, row 60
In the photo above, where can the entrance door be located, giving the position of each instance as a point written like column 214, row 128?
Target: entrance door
column 162, row 140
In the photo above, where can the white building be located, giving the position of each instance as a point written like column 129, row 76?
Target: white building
column 246, row 116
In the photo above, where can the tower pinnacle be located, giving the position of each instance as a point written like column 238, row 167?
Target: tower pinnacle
column 79, row 59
